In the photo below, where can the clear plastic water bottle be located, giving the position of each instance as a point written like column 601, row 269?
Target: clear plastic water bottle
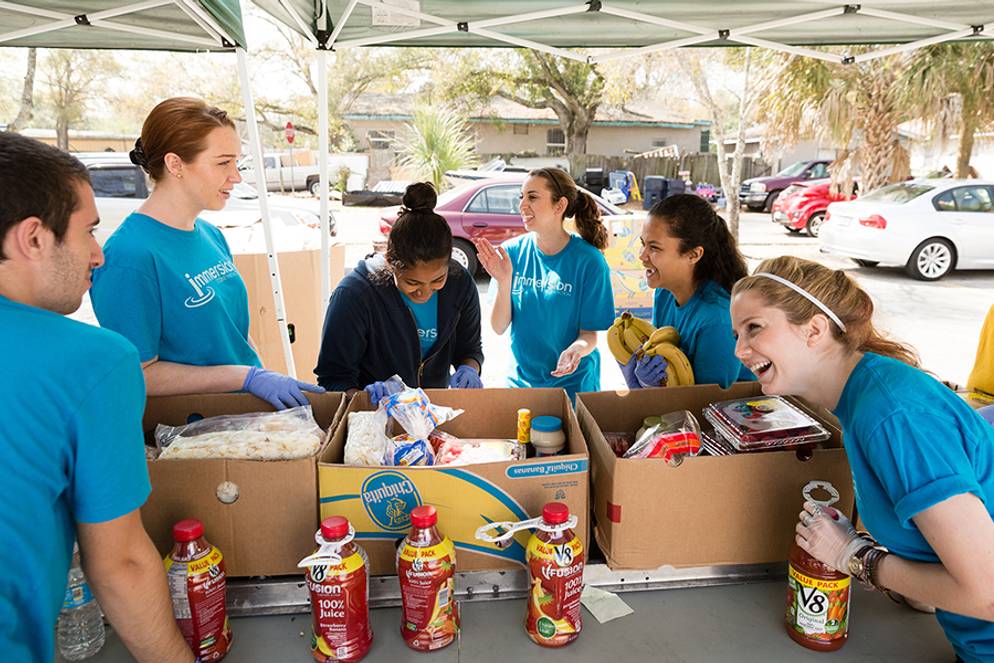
column 80, row 631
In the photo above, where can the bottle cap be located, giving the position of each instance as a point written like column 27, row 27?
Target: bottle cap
column 334, row 528
column 190, row 529
column 649, row 422
column 424, row 516
column 547, row 424
column 555, row 513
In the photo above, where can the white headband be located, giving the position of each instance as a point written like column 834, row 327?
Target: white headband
column 807, row 295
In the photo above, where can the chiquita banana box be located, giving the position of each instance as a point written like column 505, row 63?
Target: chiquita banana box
column 378, row 500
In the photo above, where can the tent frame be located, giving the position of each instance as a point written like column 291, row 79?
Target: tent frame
column 216, row 38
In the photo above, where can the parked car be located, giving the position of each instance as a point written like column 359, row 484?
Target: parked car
column 486, row 209
column 759, row 193
column 802, row 206
column 281, row 176
column 931, row 226
column 120, row 187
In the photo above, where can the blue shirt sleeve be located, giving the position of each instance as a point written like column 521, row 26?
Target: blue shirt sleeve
column 714, row 360
column 128, row 301
column 920, row 460
column 597, row 305
column 110, row 476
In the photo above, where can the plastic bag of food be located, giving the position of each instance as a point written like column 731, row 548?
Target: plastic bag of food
column 676, row 436
column 366, row 443
column 471, row 451
column 282, row 435
column 418, row 417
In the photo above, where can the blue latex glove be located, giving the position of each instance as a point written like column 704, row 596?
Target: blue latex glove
column 651, row 371
column 378, row 390
column 987, row 412
column 281, row 391
column 628, row 372
column 466, row 377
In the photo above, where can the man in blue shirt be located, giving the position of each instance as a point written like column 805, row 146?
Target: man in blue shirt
column 71, row 448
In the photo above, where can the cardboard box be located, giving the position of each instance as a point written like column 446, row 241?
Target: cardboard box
column 739, row 509
column 300, row 272
column 378, row 500
column 270, row 527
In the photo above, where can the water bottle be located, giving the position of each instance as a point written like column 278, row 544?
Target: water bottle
column 80, row 631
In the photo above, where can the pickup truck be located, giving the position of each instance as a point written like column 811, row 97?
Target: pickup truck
column 759, row 193
column 282, row 176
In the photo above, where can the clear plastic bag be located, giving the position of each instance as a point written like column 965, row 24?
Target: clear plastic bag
column 676, row 436
column 418, row 417
column 367, row 440
column 283, row 435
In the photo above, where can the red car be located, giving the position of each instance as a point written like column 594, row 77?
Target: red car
column 802, row 206
column 483, row 209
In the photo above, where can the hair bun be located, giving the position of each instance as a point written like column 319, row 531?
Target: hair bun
column 137, row 155
column 420, row 197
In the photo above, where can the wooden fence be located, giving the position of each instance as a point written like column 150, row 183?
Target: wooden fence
column 702, row 167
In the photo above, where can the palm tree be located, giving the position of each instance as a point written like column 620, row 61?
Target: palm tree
column 937, row 77
column 855, row 107
column 437, row 140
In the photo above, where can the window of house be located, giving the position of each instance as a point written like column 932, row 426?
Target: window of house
column 127, row 182
column 659, row 142
column 555, row 142
column 705, row 141
column 380, row 139
column 521, row 129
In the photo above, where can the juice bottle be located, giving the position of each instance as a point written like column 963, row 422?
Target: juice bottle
column 426, row 564
column 555, row 567
column 338, row 581
column 195, row 573
column 817, row 614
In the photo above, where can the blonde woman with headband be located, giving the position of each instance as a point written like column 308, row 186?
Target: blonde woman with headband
column 922, row 460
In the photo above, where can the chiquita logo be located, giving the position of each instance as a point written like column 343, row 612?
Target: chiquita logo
column 388, row 498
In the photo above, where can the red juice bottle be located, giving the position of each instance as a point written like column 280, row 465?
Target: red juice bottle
column 426, row 564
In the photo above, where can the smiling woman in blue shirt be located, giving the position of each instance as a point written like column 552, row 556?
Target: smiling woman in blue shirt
column 692, row 261
column 169, row 284
column 551, row 287
column 922, row 459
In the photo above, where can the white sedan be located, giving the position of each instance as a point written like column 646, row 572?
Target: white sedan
column 929, row 226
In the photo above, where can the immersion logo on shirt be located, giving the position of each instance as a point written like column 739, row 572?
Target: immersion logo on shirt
column 549, row 283
column 205, row 293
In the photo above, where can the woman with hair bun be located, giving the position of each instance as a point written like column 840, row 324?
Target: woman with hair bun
column 692, row 261
column 169, row 284
column 414, row 312
column 922, row 459
column 551, row 287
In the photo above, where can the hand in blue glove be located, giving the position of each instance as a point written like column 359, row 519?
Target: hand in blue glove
column 281, row 391
column 466, row 377
column 378, row 390
column 628, row 372
column 651, row 371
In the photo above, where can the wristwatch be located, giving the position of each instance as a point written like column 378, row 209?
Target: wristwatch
column 863, row 565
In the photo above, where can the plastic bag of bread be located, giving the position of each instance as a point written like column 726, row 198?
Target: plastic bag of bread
column 283, row 435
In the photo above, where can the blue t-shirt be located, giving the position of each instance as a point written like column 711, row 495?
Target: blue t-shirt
column 552, row 299
column 913, row 443
column 426, row 320
column 71, row 450
column 705, row 327
column 174, row 293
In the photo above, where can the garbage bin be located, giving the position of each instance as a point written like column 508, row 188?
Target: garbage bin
column 656, row 188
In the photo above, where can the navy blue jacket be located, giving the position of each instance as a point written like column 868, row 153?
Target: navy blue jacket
column 370, row 334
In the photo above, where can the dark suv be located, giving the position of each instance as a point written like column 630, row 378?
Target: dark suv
column 758, row 193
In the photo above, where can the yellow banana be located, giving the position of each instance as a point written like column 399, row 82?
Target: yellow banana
column 627, row 335
column 664, row 335
column 616, row 344
column 633, row 340
column 643, row 327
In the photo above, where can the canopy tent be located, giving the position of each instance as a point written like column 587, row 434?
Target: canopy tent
column 176, row 25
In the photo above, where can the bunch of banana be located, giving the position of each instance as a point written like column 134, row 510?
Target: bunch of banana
column 626, row 336
column 665, row 342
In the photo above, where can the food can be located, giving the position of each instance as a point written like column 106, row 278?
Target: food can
column 524, row 426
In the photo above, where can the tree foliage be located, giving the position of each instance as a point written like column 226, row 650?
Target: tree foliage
column 73, row 78
column 437, row 140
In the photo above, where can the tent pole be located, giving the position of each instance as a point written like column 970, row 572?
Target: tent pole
column 255, row 145
column 325, row 208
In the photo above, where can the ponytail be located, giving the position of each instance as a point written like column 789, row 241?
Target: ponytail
column 580, row 206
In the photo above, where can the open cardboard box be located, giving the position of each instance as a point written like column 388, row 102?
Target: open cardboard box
column 270, row 527
column 378, row 500
column 739, row 509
